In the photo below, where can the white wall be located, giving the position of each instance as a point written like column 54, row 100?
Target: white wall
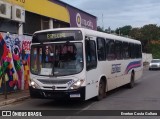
column 147, row 57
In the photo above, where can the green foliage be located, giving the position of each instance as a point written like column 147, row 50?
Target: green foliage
column 124, row 30
column 155, row 50
column 100, row 29
column 136, row 33
column 145, row 34
column 150, row 32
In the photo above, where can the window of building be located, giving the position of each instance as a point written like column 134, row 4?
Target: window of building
column 101, row 50
column 9, row 26
column 35, row 22
column 110, row 49
column 44, row 23
column 32, row 23
column 59, row 24
column 56, row 24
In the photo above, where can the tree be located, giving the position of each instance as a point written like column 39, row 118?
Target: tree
column 150, row 32
column 136, row 33
column 107, row 30
column 145, row 34
column 100, row 29
column 124, row 30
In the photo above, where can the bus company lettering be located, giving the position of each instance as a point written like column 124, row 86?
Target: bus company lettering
column 81, row 22
column 54, row 36
column 116, row 68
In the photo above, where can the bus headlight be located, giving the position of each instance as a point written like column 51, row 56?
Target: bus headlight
column 34, row 85
column 77, row 84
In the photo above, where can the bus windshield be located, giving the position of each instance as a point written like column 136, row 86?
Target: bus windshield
column 57, row 59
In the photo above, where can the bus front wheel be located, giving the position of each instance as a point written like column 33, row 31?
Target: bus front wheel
column 101, row 90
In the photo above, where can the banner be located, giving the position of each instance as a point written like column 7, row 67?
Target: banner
column 38, row 113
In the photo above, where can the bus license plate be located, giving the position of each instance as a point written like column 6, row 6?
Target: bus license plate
column 75, row 95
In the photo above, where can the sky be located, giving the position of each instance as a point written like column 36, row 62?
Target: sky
column 118, row 13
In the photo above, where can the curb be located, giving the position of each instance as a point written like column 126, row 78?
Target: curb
column 10, row 101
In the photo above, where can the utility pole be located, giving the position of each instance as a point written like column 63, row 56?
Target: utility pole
column 5, row 86
column 102, row 22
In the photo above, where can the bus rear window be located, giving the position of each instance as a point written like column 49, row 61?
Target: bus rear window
column 52, row 36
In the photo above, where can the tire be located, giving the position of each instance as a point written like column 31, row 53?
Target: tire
column 101, row 90
column 32, row 95
column 132, row 81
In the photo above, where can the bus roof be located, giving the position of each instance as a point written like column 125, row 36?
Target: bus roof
column 90, row 32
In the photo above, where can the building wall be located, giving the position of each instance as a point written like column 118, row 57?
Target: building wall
column 57, row 13
column 79, row 18
column 146, row 57
column 39, row 15
column 44, row 8
column 14, row 61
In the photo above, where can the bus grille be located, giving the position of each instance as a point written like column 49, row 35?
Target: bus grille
column 53, row 81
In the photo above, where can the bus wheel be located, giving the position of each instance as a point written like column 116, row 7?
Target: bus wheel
column 132, row 83
column 101, row 90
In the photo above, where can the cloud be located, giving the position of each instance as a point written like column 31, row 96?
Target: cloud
column 117, row 13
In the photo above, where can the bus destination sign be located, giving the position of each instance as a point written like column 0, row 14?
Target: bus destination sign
column 57, row 36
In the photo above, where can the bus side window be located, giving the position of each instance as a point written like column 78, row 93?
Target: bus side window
column 91, row 58
column 118, row 50
column 132, row 50
column 126, row 51
column 101, row 49
column 138, row 51
column 110, row 47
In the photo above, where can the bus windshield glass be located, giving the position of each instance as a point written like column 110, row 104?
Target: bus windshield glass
column 57, row 59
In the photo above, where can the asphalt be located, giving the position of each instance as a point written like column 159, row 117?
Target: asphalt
column 19, row 96
column 14, row 97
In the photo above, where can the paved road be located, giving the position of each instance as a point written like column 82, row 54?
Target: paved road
column 144, row 96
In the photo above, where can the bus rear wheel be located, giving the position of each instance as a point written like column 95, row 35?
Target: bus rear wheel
column 132, row 81
column 101, row 90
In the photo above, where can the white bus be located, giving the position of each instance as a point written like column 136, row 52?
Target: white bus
column 78, row 63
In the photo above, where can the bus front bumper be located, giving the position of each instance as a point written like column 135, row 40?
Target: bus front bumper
column 77, row 94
